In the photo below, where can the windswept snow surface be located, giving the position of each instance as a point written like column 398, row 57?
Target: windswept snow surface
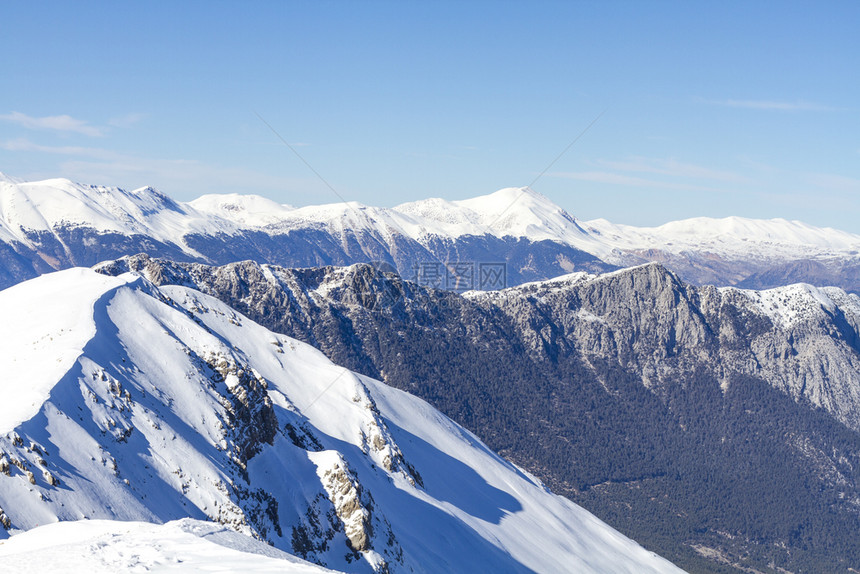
column 512, row 211
column 110, row 547
column 154, row 405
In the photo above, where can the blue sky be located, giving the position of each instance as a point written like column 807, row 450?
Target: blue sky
column 729, row 108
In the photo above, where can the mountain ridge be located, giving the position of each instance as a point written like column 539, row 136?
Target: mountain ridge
column 56, row 224
column 172, row 405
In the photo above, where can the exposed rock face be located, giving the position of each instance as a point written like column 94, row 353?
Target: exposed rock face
column 353, row 512
column 800, row 339
column 250, row 413
column 666, row 409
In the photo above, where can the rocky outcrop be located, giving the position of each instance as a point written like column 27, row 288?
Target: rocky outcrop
column 251, row 420
column 645, row 318
column 354, row 514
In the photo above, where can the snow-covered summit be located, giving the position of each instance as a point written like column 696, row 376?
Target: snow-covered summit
column 40, row 320
column 46, row 206
column 794, row 304
column 512, row 211
column 509, row 212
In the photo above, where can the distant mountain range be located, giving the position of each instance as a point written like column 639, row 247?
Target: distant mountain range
column 509, row 237
column 718, row 427
column 123, row 401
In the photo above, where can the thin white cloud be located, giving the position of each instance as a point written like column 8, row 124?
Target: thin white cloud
column 81, row 151
column 672, row 168
column 834, row 182
column 62, row 123
column 629, row 180
column 603, row 177
column 125, row 121
column 773, row 105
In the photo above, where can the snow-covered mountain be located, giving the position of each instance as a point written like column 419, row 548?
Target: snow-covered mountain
column 752, row 253
column 53, row 204
column 54, row 224
column 731, row 237
column 673, row 412
column 123, row 401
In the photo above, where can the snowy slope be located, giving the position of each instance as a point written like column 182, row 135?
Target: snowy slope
column 522, row 212
column 336, row 218
column 123, row 401
column 509, row 212
column 108, row 547
column 794, row 304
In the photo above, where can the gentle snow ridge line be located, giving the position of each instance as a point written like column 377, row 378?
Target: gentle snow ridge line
column 39, row 344
column 509, row 212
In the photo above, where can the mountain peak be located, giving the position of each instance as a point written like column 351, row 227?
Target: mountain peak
column 507, row 198
column 508, row 212
column 49, row 217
